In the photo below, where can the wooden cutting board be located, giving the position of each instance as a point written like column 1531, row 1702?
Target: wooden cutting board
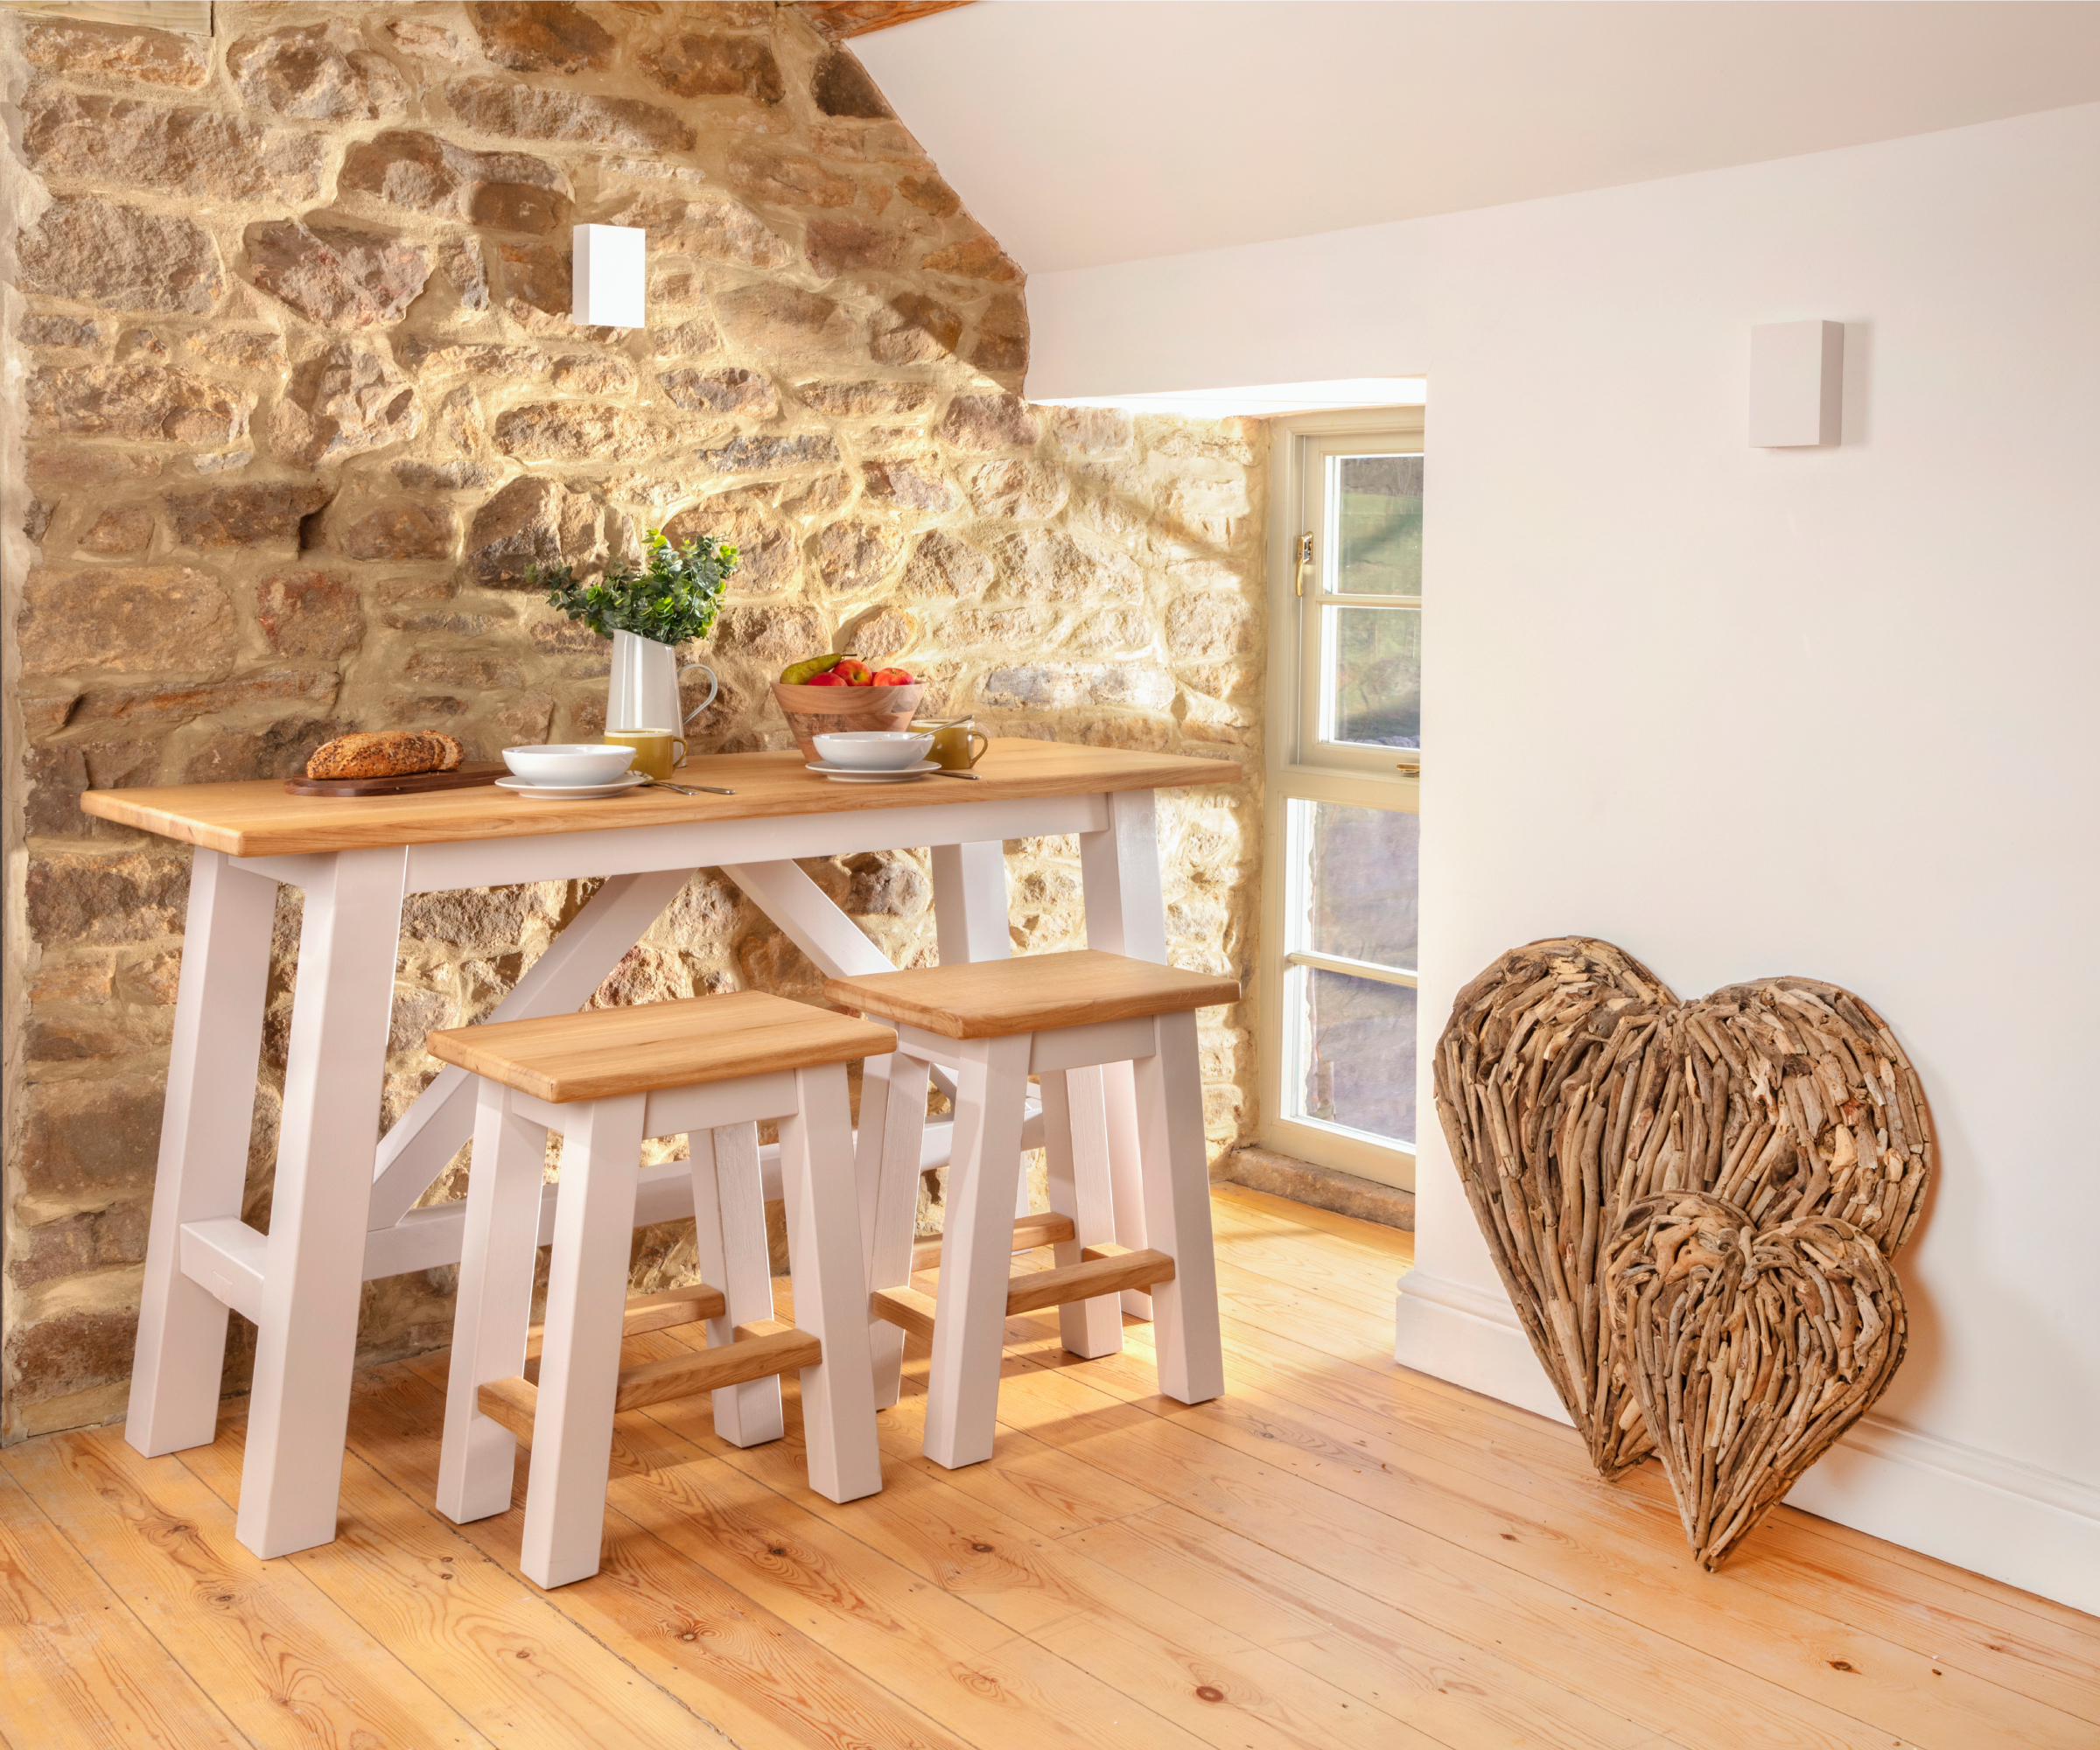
column 459, row 778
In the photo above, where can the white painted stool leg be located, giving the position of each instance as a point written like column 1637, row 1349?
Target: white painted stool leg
column 977, row 1254
column 1126, row 913
column 1177, row 1211
column 830, row 1287
column 892, row 1125
column 1075, row 1141
column 203, row 1168
column 580, row 1357
column 314, row 1269
column 729, row 1225
column 493, row 1313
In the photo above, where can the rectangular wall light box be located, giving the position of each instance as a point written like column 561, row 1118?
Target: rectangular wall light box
column 1797, row 384
column 609, row 277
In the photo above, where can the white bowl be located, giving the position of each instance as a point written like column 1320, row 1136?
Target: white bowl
column 872, row 750
column 570, row 762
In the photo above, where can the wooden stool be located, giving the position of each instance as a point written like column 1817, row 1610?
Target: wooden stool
column 1059, row 1017
column 606, row 1080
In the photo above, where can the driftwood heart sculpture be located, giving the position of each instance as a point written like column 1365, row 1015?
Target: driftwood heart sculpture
column 1752, row 1349
column 1571, row 1084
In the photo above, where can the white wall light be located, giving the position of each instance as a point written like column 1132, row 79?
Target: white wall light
column 1797, row 384
column 609, row 277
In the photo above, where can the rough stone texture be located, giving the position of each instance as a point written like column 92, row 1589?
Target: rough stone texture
column 828, row 376
column 101, row 252
column 336, row 276
column 321, row 74
column 341, row 402
column 1324, row 1187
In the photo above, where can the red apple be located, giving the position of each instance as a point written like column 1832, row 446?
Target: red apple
column 891, row 677
column 854, row 672
column 830, row 678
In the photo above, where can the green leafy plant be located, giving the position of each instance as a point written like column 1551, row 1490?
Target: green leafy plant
column 673, row 599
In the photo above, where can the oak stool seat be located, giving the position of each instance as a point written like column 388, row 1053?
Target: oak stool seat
column 1060, row 1017
column 710, row 1067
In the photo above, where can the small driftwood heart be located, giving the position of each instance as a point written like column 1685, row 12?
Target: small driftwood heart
column 1571, row 1084
column 1752, row 1349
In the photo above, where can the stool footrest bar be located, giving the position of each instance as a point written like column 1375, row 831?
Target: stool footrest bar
column 1104, row 1270
column 767, row 1346
column 1048, row 1229
column 662, row 1311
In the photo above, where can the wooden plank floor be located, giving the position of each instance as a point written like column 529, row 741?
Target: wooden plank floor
column 1338, row 1553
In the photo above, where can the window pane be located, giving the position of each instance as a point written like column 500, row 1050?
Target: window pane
column 1360, row 878
column 1359, row 1054
column 1374, row 675
column 1378, row 530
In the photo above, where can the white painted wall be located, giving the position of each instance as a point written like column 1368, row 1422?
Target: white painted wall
column 1830, row 712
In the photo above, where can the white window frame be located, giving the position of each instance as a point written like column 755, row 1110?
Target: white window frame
column 1299, row 769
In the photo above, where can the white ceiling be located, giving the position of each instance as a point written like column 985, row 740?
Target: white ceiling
column 1086, row 132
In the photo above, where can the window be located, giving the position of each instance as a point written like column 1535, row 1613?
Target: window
column 1344, row 765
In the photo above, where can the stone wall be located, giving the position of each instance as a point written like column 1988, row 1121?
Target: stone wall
column 289, row 340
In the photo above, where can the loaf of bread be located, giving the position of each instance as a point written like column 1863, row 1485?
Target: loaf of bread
column 387, row 753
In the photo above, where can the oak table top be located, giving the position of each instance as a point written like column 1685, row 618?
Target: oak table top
column 263, row 819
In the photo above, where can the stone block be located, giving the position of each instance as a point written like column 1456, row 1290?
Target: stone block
column 989, row 422
column 851, row 400
column 403, row 530
column 765, row 455
column 713, row 64
column 569, row 431
column 941, row 565
column 84, row 51
column 731, row 390
column 244, row 348
column 1206, row 627
column 468, row 357
column 532, row 522
column 464, row 670
column 713, row 226
column 75, row 333
column 541, row 35
column 1059, row 686
column 192, row 152
column 101, row 252
column 788, row 178
column 1047, row 564
column 509, row 111
column 310, row 613
column 121, row 532
column 124, row 619
column 443, row 476
column 336, row 276
column 770, row 319
column 855, row 555
column 836, row 245
column 1023, row 489
column 92, row 1239
column 245, row 515
column 99, row 1037
column 885, row 632
column 593, row 373
column 162, row 707
column 1320, row 1188
column 342, row 401
column 504, row 191
column 929, row 194
column 151, row 403
column 426, row 41
column 1091, row 431
column 320, row 73
column 66, row 1353
column 767, row 556
column 57, row 470
column 771, row 634
column 1000, row 344
column 914, row 329
column 840, row 86
column 978, row 258
column 908, row 486
column 75, row 897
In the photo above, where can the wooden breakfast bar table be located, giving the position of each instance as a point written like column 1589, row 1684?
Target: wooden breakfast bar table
column 342, row 1210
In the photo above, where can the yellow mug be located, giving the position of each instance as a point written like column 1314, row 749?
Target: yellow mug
column 653, row 754
column 952, row 738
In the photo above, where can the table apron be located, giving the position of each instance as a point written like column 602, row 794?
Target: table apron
column 638, row 849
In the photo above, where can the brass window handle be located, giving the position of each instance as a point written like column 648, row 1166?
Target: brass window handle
column 1305, row 558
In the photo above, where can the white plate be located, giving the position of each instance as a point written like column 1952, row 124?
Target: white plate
column 572, row 793
column 850, row 775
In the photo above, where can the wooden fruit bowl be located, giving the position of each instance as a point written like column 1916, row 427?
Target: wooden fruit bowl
column 837, row 711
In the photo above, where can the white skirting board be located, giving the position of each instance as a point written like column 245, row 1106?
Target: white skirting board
column 1993, row 1515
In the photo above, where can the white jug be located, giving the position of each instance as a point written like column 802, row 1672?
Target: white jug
column 643, row 692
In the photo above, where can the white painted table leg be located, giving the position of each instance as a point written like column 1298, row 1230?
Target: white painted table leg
column 579, row 1355
column 893, row 1123
column 1176, row 1208
column 1075, row 1141
column 313, row 1275
column 1126, row 913
column 977, row 1255
column 203, row 1134
column 971, row 916
column 729, row 1227
column 493, row 1313
column 831, row 1287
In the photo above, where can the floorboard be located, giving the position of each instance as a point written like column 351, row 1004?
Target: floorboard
column 1337, row 1555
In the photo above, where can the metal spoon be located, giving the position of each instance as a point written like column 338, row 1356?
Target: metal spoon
column 943, row 771
column 687, row 789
